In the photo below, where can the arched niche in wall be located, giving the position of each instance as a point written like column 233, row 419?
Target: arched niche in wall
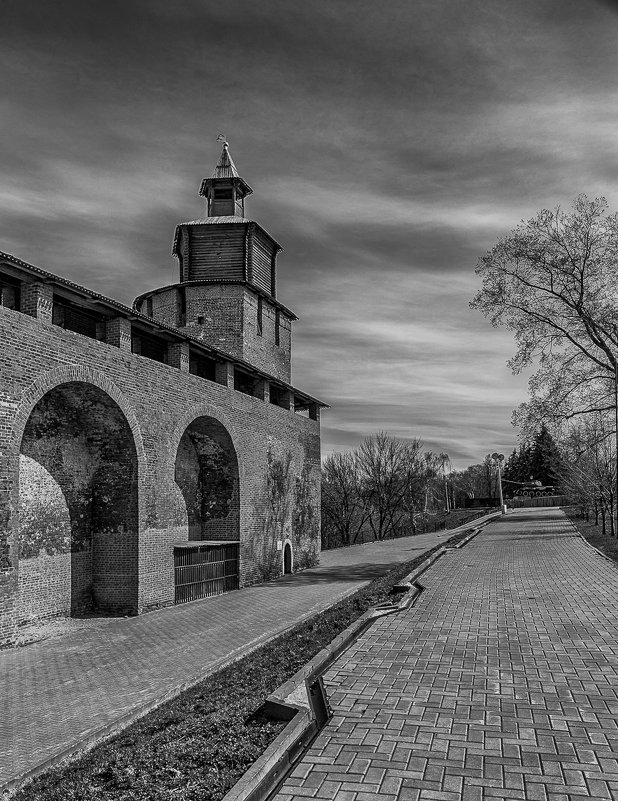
column 206, row 470
column 78, row 505
column 287, row 557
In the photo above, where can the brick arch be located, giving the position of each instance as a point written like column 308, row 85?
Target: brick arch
column 94, row 494
column 187, row 471
column 84, row 375
column 192, row 414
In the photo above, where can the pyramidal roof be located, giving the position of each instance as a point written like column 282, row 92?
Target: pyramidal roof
column 226, row 167
column 226, row 171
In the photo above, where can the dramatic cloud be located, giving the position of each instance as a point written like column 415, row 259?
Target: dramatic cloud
column 389, row 145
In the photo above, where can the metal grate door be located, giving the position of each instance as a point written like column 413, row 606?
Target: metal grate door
column 204, row 569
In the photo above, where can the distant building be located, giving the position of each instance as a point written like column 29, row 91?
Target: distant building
column 159, row 453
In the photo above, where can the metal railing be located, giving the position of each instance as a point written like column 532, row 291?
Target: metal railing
column 521, row 501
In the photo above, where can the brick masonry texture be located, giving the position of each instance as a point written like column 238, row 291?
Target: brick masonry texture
column 229, row 315
column 143, row 408
column 500, row 683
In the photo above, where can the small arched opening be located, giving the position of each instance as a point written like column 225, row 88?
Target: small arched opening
column 78, row 506
column 206, row 470
column 287, row 558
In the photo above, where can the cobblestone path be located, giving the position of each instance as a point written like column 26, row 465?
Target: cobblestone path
column 58, row 693
column 500, row 683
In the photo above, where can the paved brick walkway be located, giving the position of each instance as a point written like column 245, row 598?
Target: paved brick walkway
column 56, row 693
column 500, row 683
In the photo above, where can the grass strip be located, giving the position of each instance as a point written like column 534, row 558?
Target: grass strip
column 593, row 534
column 199, row 744
column 441, row 521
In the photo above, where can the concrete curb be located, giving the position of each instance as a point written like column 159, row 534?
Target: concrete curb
column 293, row 700
column 479, row 522
column 467, row 539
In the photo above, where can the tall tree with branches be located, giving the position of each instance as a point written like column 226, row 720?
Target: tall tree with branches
column 394, row 477
column 383, row 462
column 553, row 282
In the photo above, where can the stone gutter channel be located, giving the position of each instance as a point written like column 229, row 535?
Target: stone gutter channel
column 302, row 700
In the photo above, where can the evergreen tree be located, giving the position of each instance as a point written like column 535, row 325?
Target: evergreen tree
column 523, row 463
column 510, row 467
column 517, row 469
column 545, row 459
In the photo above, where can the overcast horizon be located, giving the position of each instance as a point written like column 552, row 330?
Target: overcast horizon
column 388, row 147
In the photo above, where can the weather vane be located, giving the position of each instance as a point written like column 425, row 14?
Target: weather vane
column 221, row 138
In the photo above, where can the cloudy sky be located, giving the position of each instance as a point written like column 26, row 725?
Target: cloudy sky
column 388, row 145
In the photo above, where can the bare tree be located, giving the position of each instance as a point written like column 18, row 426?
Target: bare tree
column 381, row 488
column 478, row 480
column 553, row 282
column 343, row 506
column 393, row 474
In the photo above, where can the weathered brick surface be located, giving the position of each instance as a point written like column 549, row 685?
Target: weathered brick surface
column 501, row 683
column 261, row 348
column 225, row 316
column 158, row 402
column 37, row 300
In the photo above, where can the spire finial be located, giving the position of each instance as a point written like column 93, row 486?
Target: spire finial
column 225, row 191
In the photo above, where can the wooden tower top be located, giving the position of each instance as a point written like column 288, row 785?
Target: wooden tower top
column 225, row 246
column 225, row 191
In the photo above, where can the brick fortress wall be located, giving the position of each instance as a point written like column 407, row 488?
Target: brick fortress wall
column 105, row 494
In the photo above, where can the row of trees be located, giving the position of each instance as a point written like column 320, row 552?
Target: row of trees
column 540, row 460
column 389, row 487
column 476, row 481
column 553, row 282
column 386, row 487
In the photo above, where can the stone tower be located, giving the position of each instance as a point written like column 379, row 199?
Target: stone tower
column 226, row 295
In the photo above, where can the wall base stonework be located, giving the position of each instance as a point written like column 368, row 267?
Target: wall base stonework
column 156, row 574
column 44, row 587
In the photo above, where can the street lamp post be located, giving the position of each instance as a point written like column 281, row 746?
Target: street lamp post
column 498, row 459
